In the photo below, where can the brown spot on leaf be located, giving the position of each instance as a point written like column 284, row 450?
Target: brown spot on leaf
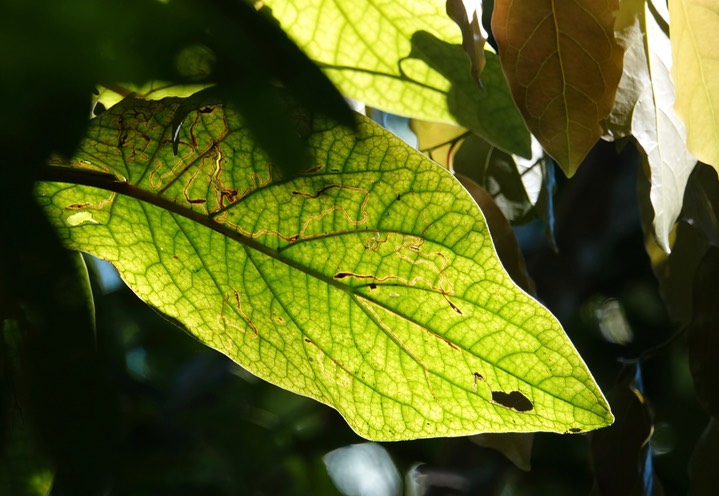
column 455, row 307
column 319, row 192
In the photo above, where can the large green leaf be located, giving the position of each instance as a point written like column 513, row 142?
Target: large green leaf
column 405, row 57
column 644, row 108
column 369, row 282
column 563, row 65
column 695, row 24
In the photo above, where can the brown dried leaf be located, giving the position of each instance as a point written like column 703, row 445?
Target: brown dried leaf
column 563, row 66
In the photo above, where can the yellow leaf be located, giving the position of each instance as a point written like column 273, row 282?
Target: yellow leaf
column 695, row 47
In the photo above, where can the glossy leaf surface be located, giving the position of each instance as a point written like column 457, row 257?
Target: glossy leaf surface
column 369, row 282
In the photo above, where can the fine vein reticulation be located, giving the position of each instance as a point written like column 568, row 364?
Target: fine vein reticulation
column 369, row 282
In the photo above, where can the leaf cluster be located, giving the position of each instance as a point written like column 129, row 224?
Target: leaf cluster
column 315, row 249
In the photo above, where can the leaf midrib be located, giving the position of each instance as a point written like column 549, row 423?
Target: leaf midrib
column 109, row 182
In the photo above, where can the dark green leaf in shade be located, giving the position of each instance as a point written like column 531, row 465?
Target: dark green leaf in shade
column 694, row 233
column 473, row 107
column 704, row 460
column 515, row 446
column 505, row 242
column 703, row 332
column 618, row 453
column 24, row 471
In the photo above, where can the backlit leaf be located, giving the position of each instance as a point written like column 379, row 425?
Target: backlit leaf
column 695, row 47
column 520, row 187
column 505, row 242
column 563, row 66
column 644, row 107
column 368, row 282
column 405, row 57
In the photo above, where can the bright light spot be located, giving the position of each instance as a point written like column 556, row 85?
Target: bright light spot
column 531, row 171
column 107, row 274
column 80, row 218
column 613, row 323
column 363, row 470
column 472, row 7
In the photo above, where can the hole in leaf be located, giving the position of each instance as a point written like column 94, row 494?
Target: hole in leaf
column 514, row 400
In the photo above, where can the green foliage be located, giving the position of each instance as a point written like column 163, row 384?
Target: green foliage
column 368, row 282
column 420, row 70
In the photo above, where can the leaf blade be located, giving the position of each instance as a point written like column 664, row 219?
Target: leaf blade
column 368, row 283
column 405, row 57
column 644, row 107
column 563, row 66
column 696, row 74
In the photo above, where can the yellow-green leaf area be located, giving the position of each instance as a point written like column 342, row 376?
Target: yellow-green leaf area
column 406, row 57
column 563, row 66
column 369, row 282
column 695, row 38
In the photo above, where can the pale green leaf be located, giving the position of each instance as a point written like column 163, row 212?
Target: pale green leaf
column 644, row 107
column 695, row 47
column 405, row 57
column 369, row 282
